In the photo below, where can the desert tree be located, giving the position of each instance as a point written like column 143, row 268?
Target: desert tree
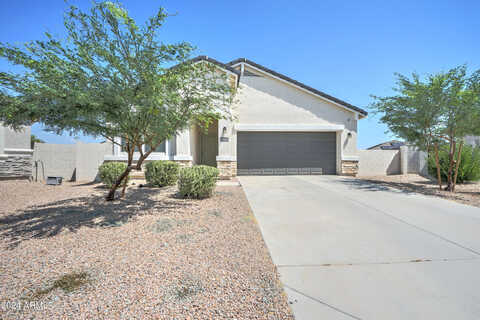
column 110, row 77
column 441, row 109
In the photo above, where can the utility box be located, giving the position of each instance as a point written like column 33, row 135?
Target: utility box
column 54, row 181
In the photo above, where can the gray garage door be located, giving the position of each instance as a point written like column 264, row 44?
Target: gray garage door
column 265, row 153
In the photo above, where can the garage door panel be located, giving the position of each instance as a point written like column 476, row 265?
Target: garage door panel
column 286, row 152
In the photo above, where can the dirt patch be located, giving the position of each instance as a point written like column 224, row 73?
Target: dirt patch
column 150, row 255
column 68, row 283
column 468, row 193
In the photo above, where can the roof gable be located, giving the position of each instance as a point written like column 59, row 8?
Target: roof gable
column 298, row 84
column 217, row 63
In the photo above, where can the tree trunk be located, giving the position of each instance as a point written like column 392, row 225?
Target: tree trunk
column 451, row 162
column 459, row 158
column 437, row 162
column 124, row 175
column 124, row 187
column 129, row 164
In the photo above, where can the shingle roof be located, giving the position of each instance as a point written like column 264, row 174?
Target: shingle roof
column 295, row 82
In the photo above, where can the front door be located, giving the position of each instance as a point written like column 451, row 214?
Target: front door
column 209, row 149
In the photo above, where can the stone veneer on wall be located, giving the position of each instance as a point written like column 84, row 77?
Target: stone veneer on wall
column 228, row 169
column 349, row 167
column 184, row 163
column 16, row 166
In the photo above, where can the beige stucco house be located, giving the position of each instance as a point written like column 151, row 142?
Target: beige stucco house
column 15, row 153
column 281, row 126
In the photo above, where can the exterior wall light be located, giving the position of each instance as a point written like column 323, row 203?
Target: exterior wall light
column 223, row 138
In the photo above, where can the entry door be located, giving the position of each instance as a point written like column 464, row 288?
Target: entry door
column 209, row 150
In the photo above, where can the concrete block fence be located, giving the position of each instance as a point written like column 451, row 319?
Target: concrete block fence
column 73, row 162
column 389, row 162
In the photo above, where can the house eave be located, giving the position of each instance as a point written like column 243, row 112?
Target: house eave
column 340, row 103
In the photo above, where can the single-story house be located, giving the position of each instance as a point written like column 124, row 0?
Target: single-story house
column 15, row 153
column 388, row 145
column 281, row 126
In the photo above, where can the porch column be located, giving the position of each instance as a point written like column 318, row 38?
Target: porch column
column 182, row 148
column 226, row 158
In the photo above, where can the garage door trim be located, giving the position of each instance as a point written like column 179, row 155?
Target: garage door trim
column 289, row 127
column 286, row 153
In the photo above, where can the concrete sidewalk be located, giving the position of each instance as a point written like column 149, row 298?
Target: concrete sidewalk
column 347, row 249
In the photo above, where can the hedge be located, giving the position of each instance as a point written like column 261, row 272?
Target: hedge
column 197, row 182
column 161, row 173
column 109, row 172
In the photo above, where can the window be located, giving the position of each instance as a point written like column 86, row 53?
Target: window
column 160, row 148
column 124, row 148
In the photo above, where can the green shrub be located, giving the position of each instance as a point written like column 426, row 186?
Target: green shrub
column 197, row 182
column 469, row 169
column 110, row 171
column 161, row 173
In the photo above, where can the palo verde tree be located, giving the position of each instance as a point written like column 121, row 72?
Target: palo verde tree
column 442, row 109
column 112, row 78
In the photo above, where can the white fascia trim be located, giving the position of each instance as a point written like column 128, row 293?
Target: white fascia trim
column 302, row 89
column 124, row 157
column 288, row 127
column 226, row 158
column 14, row 150
column 182, row 157
column 226, row 70
column 350, row 158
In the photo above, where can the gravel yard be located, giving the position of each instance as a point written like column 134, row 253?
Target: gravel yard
column 468, row 193
column 66, row 252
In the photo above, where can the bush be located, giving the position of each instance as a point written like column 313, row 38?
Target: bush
column 469, row 169
column 161, row 173
column 110, row 171
column 197, row 182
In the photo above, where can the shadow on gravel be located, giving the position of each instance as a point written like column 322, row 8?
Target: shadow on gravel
column 50, row 219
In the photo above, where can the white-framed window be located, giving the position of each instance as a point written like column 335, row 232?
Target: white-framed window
column 123, row 148
column 162, row 150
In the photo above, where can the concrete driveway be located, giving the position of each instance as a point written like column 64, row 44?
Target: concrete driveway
column 347, row 249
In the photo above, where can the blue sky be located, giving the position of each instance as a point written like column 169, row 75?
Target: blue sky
column 349, row 49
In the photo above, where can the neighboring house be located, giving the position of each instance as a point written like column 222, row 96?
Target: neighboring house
column 389, row 145
column 15, row 153
column 281, row 126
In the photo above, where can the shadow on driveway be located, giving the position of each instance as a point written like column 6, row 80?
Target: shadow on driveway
column 418, row 187
column 378, row 185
